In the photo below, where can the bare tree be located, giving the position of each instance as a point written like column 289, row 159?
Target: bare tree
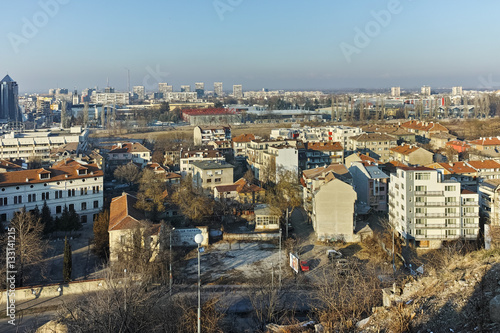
column 151, row 196
column 127, row 173
column 29, row 245
column 193, row 204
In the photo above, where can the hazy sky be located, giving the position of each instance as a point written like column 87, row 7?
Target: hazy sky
column 274, row 44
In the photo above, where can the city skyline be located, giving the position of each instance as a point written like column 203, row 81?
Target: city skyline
column 279, row 45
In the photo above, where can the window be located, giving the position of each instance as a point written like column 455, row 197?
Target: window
column 420, row 232
column 450, row 221
column 84, row 205
column 96, row 204
column 3, row 201
column 83, row 219
column 217, row 180
column 470, row 232
column 419, row 221
column 451, row 232
column 58, row 209
column 123, row 239
column 420, row 188
column 422, row 176
column 3, row 217
column 450, row 188
column 209, row 180
column 71, row 207
column 450, row 199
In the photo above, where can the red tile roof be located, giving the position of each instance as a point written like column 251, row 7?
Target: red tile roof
column 63, row 170
column 244, row 138
column 324, row 146
column 467, row 192
column 493, row 141
column 457, row 143
column 424, row 126
column 486, row 164
column 123, row 214
column 129, row 147
column 404, row 149
column 457, row 168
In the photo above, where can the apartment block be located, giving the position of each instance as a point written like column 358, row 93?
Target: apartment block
column 371, row 185
column 323, row 153
column 202, row 135
column 208, row 174
column 188, row 157
column 68, row 182
column 375, row 145
column 428, row 210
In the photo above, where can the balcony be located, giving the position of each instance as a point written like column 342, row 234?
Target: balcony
column 430, row 193
column 436, row 204
column 438, row 237
column 431, row 215
column 470, row 203
column 437, row 226
column 472, row 214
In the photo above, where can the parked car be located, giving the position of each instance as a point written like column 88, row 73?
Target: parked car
column 304, row 266
column 333, row 254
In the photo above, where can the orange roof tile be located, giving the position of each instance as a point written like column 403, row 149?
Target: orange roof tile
column 486, row 164
column 424, row 126
column 493, row 141
column 405, row 149
column 244, row 138
column 123, row 214
column 324, row 146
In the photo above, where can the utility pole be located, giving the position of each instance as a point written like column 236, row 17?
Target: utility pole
column 280, row 262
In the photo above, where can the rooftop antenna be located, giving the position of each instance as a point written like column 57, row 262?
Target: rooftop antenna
column 128, row 78
column 107, row 81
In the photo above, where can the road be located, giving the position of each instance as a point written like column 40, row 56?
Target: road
column 27, row 322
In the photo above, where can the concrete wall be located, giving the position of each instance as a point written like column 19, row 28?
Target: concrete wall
column 72, row 288
column 250, row 236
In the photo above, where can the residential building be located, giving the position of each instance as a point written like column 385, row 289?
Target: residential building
column 208, row 174
column 124, row 153
column 203, row 135
column 424, row 129
column 489, row 198
column 400, row 133
column 40, row 143
column 458, row 146
column 459, row 171
column 188, row 157
column 395, row 91
column 240, row 144
column 323, row 153
column 176, row 96
column 126, row 223
column 139, row 92
column 241, row 191
column 110, row 98
column 425, row 91
column 456, row 91
column 218, row 90
column 370, row 184
column 427, row 210
column 487, row 146
column 375, row 145
column 9, row 105
column 439, row 140
column 339, row 133
column 169, row 177
column 199, row 87
column 185, row 88
column 265, row 219
column 77, row 185
column 237, row 91
column 486, row 169
column 332, row 214
column 222, row 146
column 164, row 88
column 411, row 155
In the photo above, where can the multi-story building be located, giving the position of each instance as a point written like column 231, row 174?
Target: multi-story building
column 339, row 133
column 489, row 198
column 395, row 91
column 320, row 154
column 199, row 87
column 203, row 135
column 31, row 144
column 375, row 145
column 237, row 91
column 68, row 182
column 370, row 184
column 487, row 146
column 428, row 210
column 164, row 88
column 208, row 174
column 425, row 91
column 124, row 153
column 139, row 92
column 188, row 157
column 411, row 155
column 185, row 88
column 240, row 144
column 424, row 129
column 9, row 105
column 218, row 90
column 110, row 98
column 180, row 96
column 456, row 91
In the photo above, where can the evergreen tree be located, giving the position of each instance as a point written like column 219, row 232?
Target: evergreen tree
column 74, row 222
column 101, row 235
column 64, row 220
column 67, row 261
column 47, row 220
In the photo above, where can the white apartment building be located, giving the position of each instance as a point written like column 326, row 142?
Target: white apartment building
column 180, row 96
column 238, row 91
column 339, row 133
column 203, row 135
column 425, row 90
column 110, row 98
column 139, row 92
column 427, row 210
column 218, row 90
column 456, row 91
column 164, row 88
column 188, row 157
column 489, row 195
column 40, row 143
column 68, row 182
column 395, row 91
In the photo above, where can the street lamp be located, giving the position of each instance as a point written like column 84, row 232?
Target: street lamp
column 125, row 287
column 171, row 277
column 199, row 239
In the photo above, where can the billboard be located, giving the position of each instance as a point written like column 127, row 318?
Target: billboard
column 294, row 262
column 184, row 237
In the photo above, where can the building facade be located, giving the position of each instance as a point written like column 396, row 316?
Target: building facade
column 68, row 182
column 9, row 105
column 208, row 174
column 427, row 210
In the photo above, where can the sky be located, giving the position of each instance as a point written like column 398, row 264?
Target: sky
column 278, row 44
